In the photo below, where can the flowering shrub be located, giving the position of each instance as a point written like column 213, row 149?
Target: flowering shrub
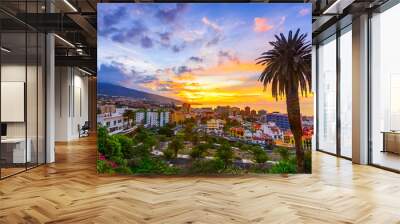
column 104, row 165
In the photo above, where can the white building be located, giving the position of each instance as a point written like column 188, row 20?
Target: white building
column 114, row 122
column 164, row 118
column 139, row 117
column 248, row 134
column 215, row 125
column 121, row 110
column 272, row 130
column 151, row 119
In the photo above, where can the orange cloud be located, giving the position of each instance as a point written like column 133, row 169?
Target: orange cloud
column 231, row 67
column 261, row 24
column 233, row 84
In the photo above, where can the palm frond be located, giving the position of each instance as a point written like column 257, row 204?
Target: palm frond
column 287, row 64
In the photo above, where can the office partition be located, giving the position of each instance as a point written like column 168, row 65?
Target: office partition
column 385, row 88
column 327, row 95
column 22, row 77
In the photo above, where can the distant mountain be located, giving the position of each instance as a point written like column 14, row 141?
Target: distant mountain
column 116, row 90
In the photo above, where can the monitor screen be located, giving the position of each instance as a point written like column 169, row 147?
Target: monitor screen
column 3, row 129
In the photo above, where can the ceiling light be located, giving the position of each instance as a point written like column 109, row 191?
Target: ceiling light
column 84, row 71
column 64, row 40
column 331, row 7
column 337, row 7
column 70, row 5
column 5, row 50
column 79, row 51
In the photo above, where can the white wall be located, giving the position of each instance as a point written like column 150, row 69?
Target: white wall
column 62, row 82
column 33, row 126
column 16, row 73
column 71, row 103
column 12, row 73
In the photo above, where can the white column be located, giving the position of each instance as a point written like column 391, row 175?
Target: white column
column 50, row 99
column 62, row 103
column 360, row 90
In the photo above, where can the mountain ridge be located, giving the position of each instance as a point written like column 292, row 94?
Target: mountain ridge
column 117, row 90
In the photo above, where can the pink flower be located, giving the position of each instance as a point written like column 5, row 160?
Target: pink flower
column 113, row 164
column 102, row 157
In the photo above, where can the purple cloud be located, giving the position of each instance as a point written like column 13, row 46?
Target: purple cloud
column 213, row 41
column 181, row 69
column 226, row 55
column 177, row 49
column 115, row 17
column 165, row 87
column 146, row 42
column 108, row 21
column 196, row 59
column 170, row 15
column 110, row 74
column 117, row 73
column 166, row 36
column 136, row 34
column 136, row 30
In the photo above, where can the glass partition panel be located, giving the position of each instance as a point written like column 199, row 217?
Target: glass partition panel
column 14, row 153
column 346, row 92
column 31, row 98
column 327, row 95
column 385, row 89
column 41, row 99
column 22, row 108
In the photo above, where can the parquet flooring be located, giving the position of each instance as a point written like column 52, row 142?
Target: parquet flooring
column 70, row 191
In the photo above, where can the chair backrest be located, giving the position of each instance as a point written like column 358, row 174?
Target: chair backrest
column 86, row 125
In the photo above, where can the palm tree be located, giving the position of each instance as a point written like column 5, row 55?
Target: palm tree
column 225, row 154
column 175, row 145
column 288, row 70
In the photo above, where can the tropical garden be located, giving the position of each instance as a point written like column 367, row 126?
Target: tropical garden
column 186, row 152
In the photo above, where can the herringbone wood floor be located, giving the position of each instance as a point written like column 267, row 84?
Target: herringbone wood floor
column 70, row 191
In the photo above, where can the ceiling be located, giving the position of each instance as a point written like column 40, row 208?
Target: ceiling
column 330, row 15
column 75, row 22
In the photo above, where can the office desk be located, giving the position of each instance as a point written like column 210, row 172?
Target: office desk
column 13, row 150
column 391, row 142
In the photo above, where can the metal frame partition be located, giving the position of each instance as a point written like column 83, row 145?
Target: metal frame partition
column 334, row 30
column 382, row 8
column 38, row 118
column 337, row 29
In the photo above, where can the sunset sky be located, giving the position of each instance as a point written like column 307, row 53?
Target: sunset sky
column 203, row 54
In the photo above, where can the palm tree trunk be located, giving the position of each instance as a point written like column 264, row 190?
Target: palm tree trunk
column 293, row 110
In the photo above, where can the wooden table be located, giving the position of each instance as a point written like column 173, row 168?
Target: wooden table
column 391, row 141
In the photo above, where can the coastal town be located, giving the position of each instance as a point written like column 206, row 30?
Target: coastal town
column 122, row 115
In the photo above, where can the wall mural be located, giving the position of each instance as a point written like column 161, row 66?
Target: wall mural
column 204, row 89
